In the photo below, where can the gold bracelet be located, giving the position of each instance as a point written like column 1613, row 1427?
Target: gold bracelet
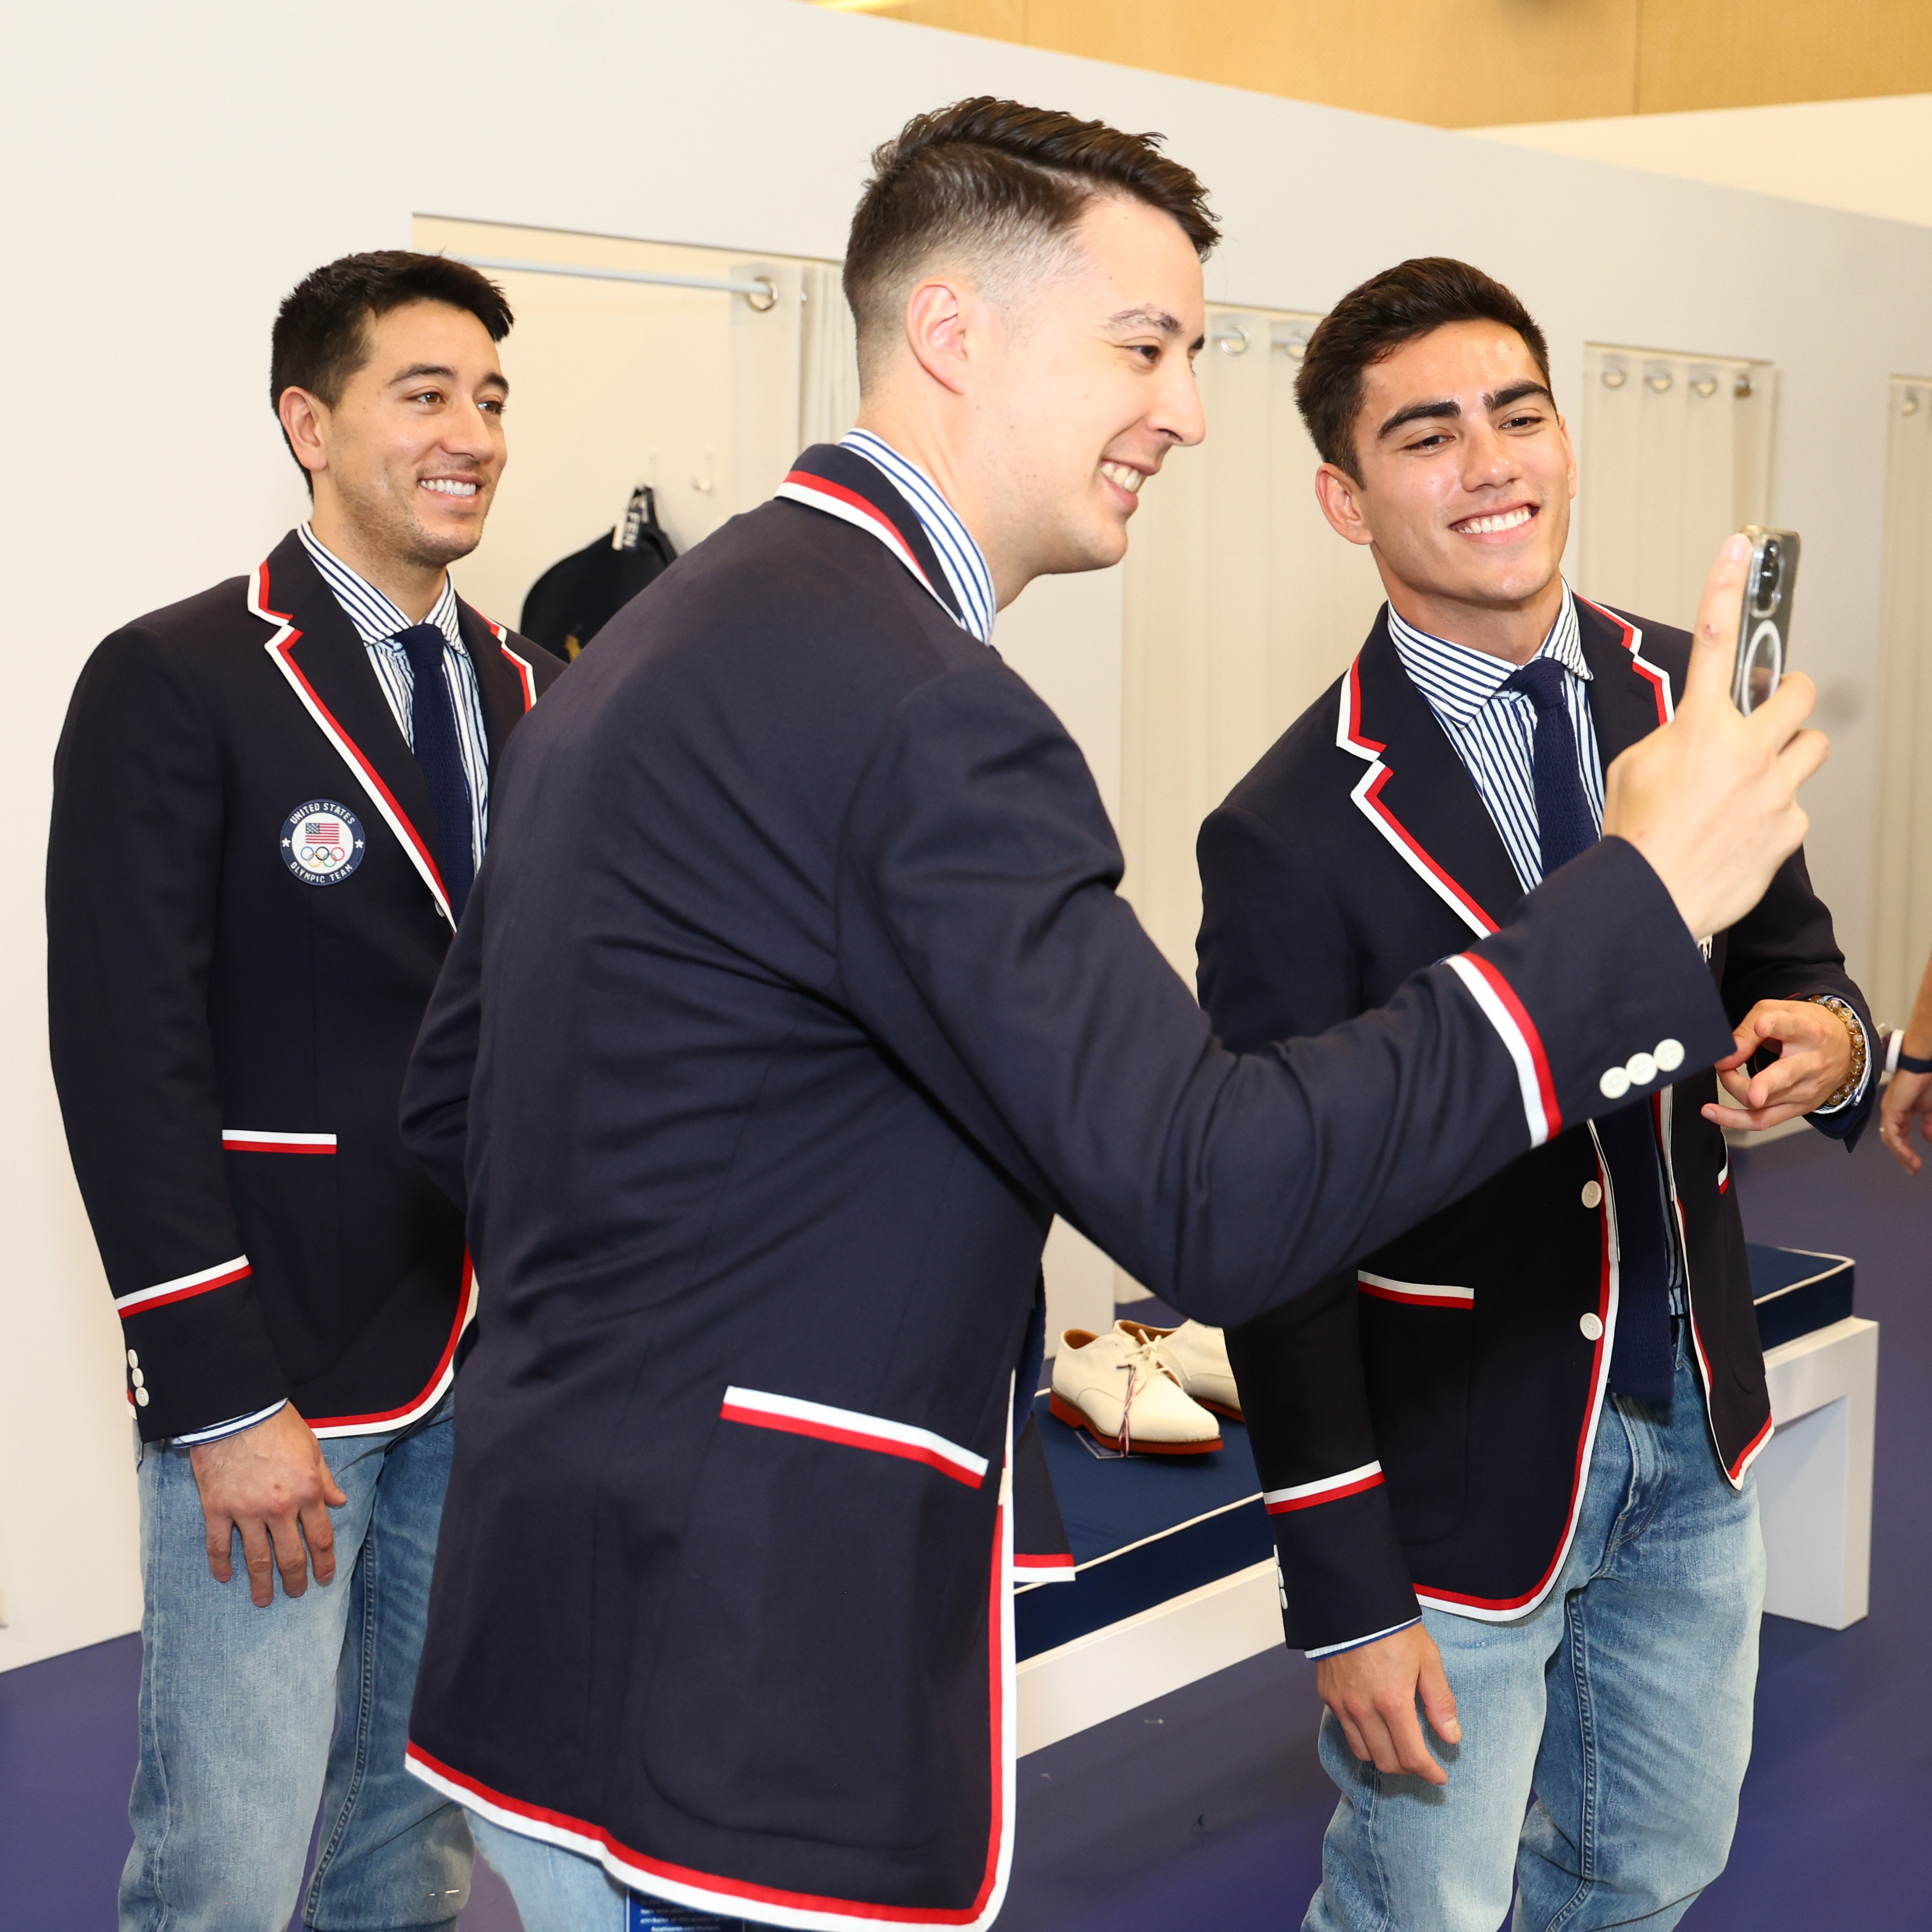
column 1855, row 1079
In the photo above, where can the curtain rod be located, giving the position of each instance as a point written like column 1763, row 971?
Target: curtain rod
column 751, row 291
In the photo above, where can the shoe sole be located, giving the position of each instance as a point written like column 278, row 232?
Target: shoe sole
column 1065, row 1412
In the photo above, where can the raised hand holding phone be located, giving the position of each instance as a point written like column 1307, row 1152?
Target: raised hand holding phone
column 1711, row 798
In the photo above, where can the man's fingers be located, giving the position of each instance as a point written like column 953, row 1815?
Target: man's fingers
column 259, row 1562
column 1357, row 1743
column 320, row 1535
column 291, row 1554
column 1715, row 640
column 221, row 1548
column 1736, row 1120
column 1438, row 1701
column 1802, row 753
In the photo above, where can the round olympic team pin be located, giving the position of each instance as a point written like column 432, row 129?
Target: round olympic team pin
column 323, row 842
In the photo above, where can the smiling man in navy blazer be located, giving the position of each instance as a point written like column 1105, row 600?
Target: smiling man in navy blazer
column 1507, row 1456
column 269, row 802
column 722, row 1612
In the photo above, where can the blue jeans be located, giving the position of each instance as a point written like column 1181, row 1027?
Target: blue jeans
column 561, row 1890
column 250, row 1719
column 1624, row 1703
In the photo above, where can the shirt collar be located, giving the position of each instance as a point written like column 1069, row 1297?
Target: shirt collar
column 959, row 556
column 377, row 620
column 1458, row 682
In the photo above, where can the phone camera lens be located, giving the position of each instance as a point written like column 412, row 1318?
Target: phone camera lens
column 1767, row 591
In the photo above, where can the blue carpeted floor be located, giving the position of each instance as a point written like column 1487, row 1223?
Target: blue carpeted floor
column 1206, row 1808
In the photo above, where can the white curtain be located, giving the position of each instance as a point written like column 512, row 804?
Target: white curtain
column 1902, row 894
column 828, row 400
column 1674, row 453
column 1242, row 605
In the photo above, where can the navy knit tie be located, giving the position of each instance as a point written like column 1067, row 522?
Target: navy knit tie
column 1641, row 1364
column 433, row 725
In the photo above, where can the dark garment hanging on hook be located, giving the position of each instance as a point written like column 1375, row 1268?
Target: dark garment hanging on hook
column 573, row 600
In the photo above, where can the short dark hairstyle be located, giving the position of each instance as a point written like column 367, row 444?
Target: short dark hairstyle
column 321, row 335
column 1373, row 321
column 990, row 180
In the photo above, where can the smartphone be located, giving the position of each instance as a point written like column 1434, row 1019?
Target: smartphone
column 1764, row 631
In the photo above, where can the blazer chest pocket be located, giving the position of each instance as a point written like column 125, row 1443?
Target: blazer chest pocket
column 1416, row 1340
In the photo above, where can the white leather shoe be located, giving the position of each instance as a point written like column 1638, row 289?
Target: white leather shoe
column 1196, row 1357
column 1117, row 1388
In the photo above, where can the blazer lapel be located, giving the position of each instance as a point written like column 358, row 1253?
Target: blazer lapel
column 1418, row 794
column 317, row 652
column 1630, row 696
column 504, row 677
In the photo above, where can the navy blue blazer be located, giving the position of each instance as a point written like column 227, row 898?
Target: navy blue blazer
column 850, row 1008
column 1422, row 1421
column 229, row 1026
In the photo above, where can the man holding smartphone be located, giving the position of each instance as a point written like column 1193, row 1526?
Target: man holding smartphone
column 1507, row 1456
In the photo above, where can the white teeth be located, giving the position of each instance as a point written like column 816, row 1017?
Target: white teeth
column 1509, row 520
column 1129, row 480
column 448, row 486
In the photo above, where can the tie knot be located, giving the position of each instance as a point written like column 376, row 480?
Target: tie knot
column 424, row 644
column 1541, row 681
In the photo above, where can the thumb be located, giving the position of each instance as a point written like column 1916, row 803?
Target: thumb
column 1438, row 1701
column 1715, row 640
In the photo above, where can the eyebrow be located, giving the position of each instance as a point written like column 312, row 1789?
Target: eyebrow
column 1155, row 319
column 416, row 370
column 1499, row 399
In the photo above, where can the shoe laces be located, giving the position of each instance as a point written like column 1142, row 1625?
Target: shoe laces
column 1143, row 1360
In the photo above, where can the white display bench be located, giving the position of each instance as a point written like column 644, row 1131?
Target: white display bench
column 1814, row 1483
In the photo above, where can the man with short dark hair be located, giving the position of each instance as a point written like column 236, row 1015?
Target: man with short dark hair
column 1507, row 1455
column 269, row 803
column 721, row 1612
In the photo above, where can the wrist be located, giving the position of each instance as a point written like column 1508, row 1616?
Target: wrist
column 1855, row 1035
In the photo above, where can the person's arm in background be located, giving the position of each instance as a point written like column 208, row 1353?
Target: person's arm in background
column 134, row 869
column 1908, row 1095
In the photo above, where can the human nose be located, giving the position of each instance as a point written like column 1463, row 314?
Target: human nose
column 1179, row 415
column 1488, row 459
column 471, row 430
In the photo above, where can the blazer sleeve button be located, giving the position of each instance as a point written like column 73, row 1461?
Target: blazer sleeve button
column 1615, row 1084
column 1669, row 1056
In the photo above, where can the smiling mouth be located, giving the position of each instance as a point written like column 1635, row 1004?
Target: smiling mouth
column 1126, row 478
column 458, row 487
column 1493, row 525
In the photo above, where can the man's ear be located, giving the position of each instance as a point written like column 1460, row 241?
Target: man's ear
column 938, row 317
column 305, row 420
column 1339, row 496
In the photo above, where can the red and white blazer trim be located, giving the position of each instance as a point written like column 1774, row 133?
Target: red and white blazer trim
column 1418, row 1293
column 142, row 1300
column 1054, row 1569
column 280, row 648
column 792, row 1416
column 384, row 1421
column 262, row 1140
column 1367, row 795
column 1654, row 675
column 1330, row 1489
column 1517, row 1031
column 821, row 494
column 526, row 671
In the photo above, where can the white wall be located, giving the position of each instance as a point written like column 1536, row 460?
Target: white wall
column 171, row 171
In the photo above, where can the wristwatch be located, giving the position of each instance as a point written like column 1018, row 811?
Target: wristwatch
column 1855, row 1079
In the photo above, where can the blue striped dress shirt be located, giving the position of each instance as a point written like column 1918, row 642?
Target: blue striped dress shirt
column 959, row 556
column 379, row 623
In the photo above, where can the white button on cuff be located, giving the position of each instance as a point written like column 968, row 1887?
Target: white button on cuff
column 141, row 1397
column 133, row 1360
column 140, row 1380
column 1669, row 1056
column 1615, row 1084
column 1592, row 1328
column 1593, row 1195
column 1642, row 1069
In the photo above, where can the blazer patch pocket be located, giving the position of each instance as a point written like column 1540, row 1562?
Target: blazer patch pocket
column 790, row 1415
column 1416, row 1348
